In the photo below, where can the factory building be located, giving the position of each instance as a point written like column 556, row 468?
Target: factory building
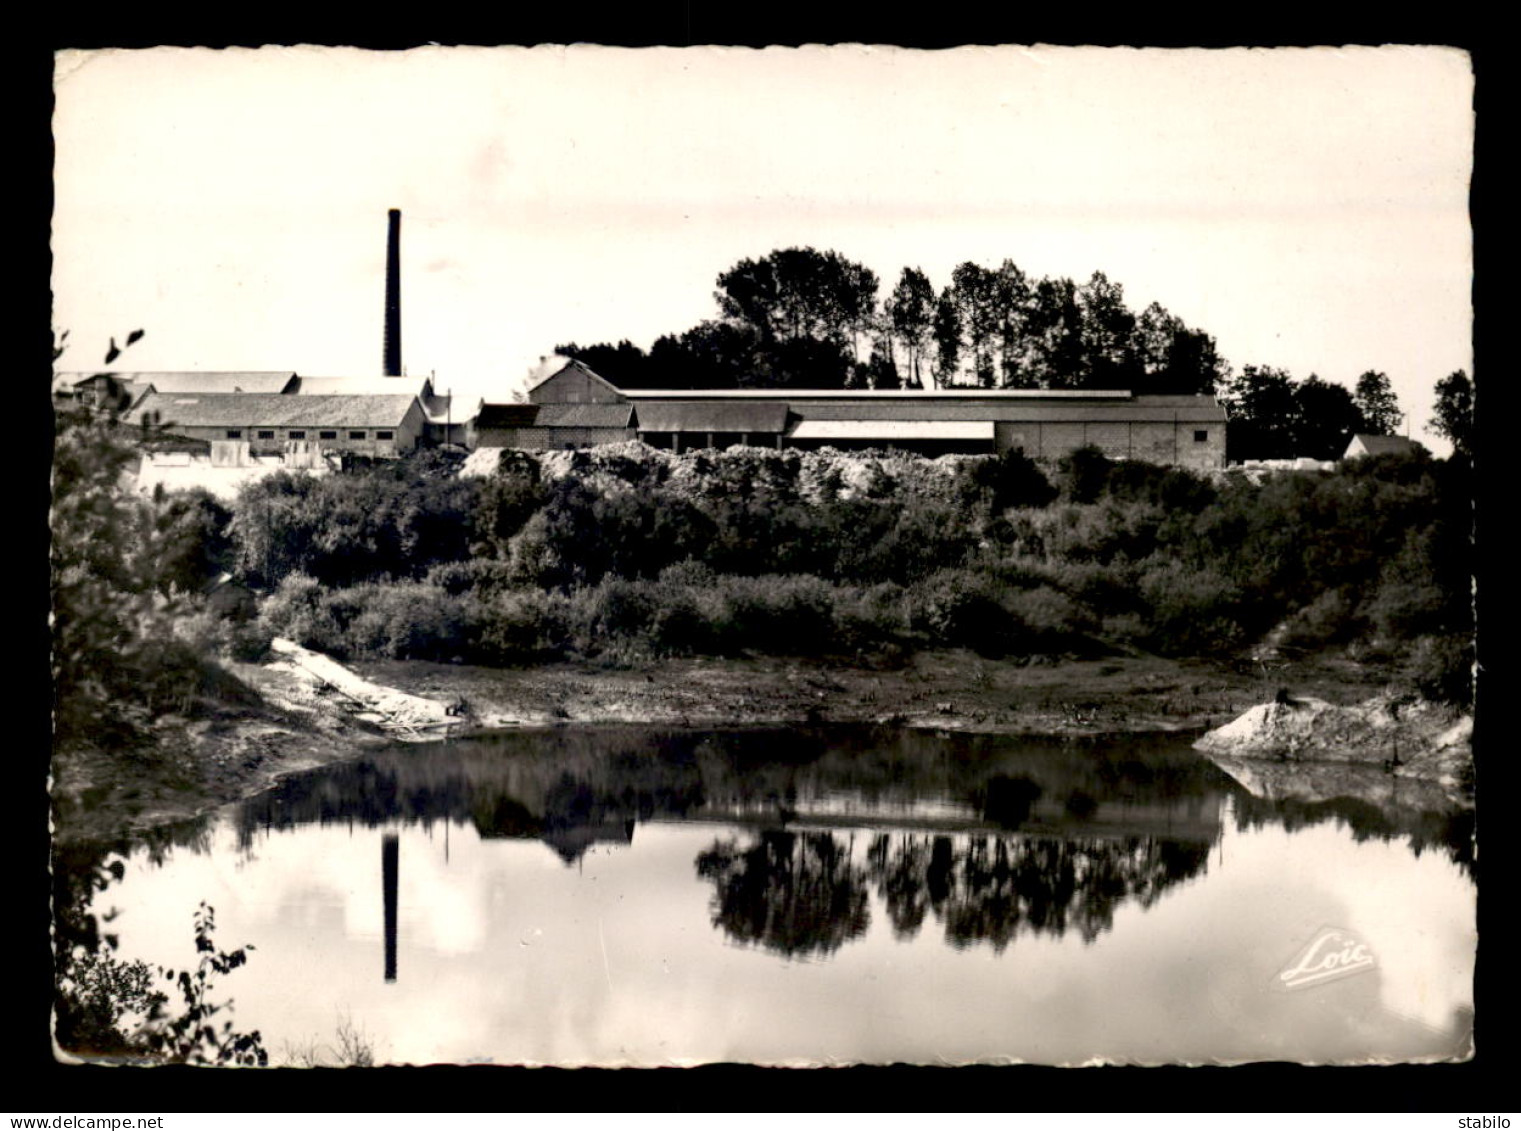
column 248, row 419
column 268, row 423
column 574, row 408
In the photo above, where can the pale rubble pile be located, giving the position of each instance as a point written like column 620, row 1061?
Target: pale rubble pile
column 481, row 463
column 1411, row 739
column 816, row 475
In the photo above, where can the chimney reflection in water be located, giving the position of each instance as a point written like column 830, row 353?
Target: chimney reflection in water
column 390, row 862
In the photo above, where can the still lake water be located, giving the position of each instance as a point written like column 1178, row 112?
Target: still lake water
column 630, row 896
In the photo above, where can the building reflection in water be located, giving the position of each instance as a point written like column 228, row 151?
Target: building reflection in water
column 983, row 839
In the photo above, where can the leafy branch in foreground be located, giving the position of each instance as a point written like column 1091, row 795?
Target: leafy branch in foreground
column 190, row 1037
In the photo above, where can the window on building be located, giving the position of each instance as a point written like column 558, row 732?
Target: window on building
column 1201, row 435
column 266, row 433
column 327, row 435
column 234, row 433
column 385, row 435
column 356, row 434
column 296, row 434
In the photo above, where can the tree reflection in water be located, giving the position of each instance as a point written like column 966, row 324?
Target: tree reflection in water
column 803, row 894
column 798, row 894
column 1448, row 829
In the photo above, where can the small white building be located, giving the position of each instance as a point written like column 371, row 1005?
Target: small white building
column 1365, row 445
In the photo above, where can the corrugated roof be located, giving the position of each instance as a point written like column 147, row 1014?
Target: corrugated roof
column 218, row 382
column 894, row 430
column 710, row 416
column 1058, row 406
column 1174, row 400
column 877, row 394
column 272, row 410
column 506, row 415
column 1135, row 411
column 588, row 415
column 362, row 386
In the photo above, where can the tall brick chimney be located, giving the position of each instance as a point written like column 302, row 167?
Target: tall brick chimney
column 393, row 296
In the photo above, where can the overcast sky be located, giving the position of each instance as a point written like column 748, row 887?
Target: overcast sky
column 1306, row 207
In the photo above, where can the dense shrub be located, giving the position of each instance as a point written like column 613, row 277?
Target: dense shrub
column 474, row 575
column 1331, row 618
column 1050, row 621
column 1174, row 489
column 1441, row 667
column 196, row 540
column 596, row 553
column 1104, row 588
column 507, row 500
column 687, row 622
column 1010, row 479
column 1194, row 612
column 522, row 626
column 872, row 619
column 395, row 520
column 1082, row 474
column 961, row 609
column 410, row 621
column 781, row 615
column 614, row 610
column 296, row 611
column 210, row 634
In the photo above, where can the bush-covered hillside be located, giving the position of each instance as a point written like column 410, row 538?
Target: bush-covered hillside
column 625, row 552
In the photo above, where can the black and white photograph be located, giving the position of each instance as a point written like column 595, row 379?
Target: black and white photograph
column 834, row 555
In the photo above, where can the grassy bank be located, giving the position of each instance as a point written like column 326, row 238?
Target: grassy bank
column 943, row 689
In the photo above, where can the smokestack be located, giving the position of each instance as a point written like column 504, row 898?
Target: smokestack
column 393, row 296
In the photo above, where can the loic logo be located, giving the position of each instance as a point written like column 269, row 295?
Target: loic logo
column 1333, row 953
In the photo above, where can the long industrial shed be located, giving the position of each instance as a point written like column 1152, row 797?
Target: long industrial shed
column 575, row 408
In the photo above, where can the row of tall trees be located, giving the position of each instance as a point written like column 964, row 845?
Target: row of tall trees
column 802, row 318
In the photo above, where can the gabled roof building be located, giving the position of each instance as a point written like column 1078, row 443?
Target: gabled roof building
column 1366, row 445
column 377, row 425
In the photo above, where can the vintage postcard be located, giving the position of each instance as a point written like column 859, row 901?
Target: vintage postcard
column 832, row 555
